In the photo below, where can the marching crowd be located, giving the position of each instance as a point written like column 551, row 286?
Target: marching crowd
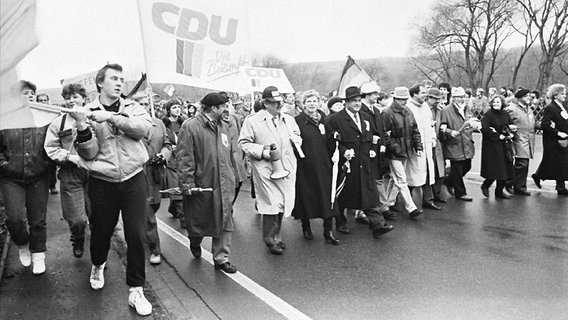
column 317, row 159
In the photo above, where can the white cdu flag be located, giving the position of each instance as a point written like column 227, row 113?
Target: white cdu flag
column 197, row 43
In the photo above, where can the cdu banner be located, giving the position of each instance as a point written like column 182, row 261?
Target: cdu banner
column 193, row 42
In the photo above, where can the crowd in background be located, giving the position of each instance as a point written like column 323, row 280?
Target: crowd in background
column 308, row 155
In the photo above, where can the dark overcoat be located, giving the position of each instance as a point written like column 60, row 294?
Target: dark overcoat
column 172, row 132
column 402, row 137
column 460, row 147
column 360, row 190
column 204, row 157
column 496, row 154
column 438, row 150
column 379, row 162
column 554, row 164
column 313, row 178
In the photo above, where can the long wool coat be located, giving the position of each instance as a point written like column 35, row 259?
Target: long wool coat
column 379, row 162
column 204, row 156
column 419, row 168
column 524, row 141
column 554, row 165
column 496, row 154
column 272, row 196
column 156, row 141
column 313, row 179
column 360, row 191
column 438, row 150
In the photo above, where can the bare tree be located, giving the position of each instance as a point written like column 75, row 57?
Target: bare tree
column 268, row 60
column 524, row 27
column 464, row 39
column 550, row 19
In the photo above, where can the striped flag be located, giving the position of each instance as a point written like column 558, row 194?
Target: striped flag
column 352, row 75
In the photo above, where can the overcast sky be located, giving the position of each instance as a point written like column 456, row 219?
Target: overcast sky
column 79, row 36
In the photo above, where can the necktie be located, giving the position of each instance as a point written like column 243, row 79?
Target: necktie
column 275, row 121
column 357, row 122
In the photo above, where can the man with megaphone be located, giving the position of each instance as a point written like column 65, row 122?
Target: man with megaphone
column 269, row 138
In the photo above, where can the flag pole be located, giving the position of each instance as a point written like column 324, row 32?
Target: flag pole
column 151, row 93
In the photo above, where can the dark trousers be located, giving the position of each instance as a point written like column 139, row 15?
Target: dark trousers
column 519, row 182
column 152, row 236
column 327, row 224
column 108, row 200
column 26, row 206
column 271, row 225
column 75, row 202
column 52, row 177
column 458, row 169
column 375, row 217
column 500, row 185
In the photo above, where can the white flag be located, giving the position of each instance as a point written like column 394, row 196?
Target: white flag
column 194, row 42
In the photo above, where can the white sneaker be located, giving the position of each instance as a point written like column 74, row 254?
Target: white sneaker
column 155, row 259
column 97, row 276
column 38, row 260
column 25, row 255
column 138, row 301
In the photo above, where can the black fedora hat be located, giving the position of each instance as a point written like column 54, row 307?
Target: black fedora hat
column 352, row 92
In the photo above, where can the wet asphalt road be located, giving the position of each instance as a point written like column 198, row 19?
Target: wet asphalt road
column 489, row 259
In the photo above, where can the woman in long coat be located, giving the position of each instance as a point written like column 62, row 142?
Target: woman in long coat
column 313, row 178
column 173, row 121
column 496, row 148
column 554, row 164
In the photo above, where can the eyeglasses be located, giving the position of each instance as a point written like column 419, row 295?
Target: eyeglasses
column 144, row 104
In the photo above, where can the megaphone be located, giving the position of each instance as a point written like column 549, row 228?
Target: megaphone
column 278, row 171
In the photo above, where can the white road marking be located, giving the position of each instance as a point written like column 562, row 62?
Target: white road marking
column 268, row 297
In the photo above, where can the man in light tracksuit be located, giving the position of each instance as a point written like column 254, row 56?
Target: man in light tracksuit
column 110, row 147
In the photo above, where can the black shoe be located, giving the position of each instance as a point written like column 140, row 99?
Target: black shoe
column 502, row 195
column 342, row 229
column 522, row 192
column 465, row 197
column 536, row 181
column 562, row 192
column 275, row 248
column 389, row 215
column 394, row 209
column 78, row 250
column 308, row 233
column 195, row 251
column 330, row 238
column 485, row 191
column 385, row 228
column 415, row 213
column 282, row 245
column 431, row 205
column 362, row 220
column 509, row 189
column 227, row 267
column 440, row 200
